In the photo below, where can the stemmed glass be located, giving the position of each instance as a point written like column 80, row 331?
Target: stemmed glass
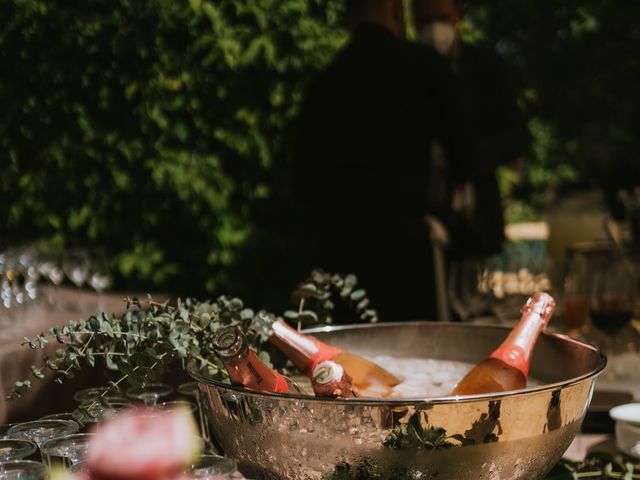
column 39, row 431
column 469, row 289
column 66, row 451
column 612, row 299
column 190, row 389
column 75, row 264
column 208, row 465
column 93, row 393
column 150, row 393
column 22, row 470
column 575, row 300
column 99, row 277
column 16, row 449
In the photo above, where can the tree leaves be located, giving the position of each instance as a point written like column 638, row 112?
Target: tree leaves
column 189, row 111
column 318, row 294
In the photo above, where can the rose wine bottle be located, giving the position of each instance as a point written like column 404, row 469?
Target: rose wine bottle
column 245, row 367
column 330, row 380
column 507, row 368
column 306, row 352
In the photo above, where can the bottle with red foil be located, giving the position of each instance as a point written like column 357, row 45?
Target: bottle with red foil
column 245, row 367
column 507, row 368
column 306, row 352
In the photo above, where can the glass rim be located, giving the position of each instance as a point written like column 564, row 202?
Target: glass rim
column 226, row 465
column 85, row 394
column 41, row 422
column 31, row 447
column 27, row 465
column 161, row 385
column 52, row 442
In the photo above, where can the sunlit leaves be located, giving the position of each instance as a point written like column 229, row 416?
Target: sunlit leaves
column 144, row 119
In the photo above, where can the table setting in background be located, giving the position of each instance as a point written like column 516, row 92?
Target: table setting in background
column 490, row 292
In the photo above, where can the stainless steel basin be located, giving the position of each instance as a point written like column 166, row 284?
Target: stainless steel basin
column 506, row 436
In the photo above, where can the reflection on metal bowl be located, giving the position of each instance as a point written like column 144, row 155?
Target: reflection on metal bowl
column 506, row 436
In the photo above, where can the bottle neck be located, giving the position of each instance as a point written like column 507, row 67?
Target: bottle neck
column 304, row 351
column 516, row 350
column 251, row 372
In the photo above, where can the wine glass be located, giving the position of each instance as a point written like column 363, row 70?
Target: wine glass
column 94, row 393
column 66, row 451
column 59, row 416
column 16, row 449
column 468, row 288
column 190, row 389
column 207, row 466
column 75, row 264
column 612, row 299
column 93, row 411
column 150, row 393
column 23, row 470
column 99, row 277
column 575, row 301
column 4, row 429
column 39, row 431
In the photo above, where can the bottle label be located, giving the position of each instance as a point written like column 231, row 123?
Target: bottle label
column 253, row 373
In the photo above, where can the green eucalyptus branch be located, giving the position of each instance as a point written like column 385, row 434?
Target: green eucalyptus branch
column 318, row 295
column 150, row 336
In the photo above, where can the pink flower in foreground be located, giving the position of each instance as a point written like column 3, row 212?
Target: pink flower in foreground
column 144, row 444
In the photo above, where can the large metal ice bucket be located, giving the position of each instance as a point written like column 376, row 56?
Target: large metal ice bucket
column 506, row 436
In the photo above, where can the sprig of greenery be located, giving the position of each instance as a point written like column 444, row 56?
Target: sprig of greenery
column 317, row 296
column 596, row 466
column 139, row 345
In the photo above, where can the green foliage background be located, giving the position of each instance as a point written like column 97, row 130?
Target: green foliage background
column 159, row 129
column 153, row 128
column 576, row 66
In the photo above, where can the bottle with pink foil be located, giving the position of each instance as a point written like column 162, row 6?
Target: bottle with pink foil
column 306, row 352
column 507, row 368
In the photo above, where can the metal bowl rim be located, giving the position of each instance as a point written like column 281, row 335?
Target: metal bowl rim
column 202, row 378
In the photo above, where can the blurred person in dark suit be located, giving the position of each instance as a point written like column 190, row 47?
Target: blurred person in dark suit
column 499, row 132
column 363, row 175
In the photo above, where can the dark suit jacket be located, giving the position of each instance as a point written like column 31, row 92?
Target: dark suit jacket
column 363, row 173
column 500, row 136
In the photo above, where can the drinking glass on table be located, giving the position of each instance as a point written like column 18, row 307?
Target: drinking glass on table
column 75, row 264
column 150, row 393
column 612, row 299
column 190, row 389
column 94, row 411
column 99, row 276
column 16, row 449
column 66, row 451
column 22, row 470
column 575, row 300
column 469, row 288
column 94, row 393
column 39, row 431
column 213, row 466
